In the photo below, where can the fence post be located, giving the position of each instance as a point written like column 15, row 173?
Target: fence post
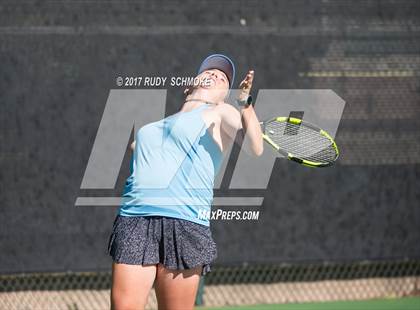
column 200, row 292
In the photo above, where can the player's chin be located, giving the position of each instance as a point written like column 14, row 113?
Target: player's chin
column 213, row 89
column 206, row 85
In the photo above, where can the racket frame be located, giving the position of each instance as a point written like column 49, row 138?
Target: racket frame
column 290, row 156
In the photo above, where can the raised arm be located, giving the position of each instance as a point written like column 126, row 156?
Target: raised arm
column 252, row 130
column 245, row 120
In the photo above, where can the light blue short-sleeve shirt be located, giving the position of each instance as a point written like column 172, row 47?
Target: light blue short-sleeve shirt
column 173, row 168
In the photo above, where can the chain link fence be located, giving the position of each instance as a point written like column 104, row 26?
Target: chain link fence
column 227, row 285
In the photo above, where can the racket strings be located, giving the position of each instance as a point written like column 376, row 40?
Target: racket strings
column 301, row 141
column 306, row 145
column 299, row 148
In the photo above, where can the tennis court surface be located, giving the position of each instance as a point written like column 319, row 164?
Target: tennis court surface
column 409, row 303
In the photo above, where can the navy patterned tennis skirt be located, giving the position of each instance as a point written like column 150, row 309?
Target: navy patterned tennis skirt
column 175, row 243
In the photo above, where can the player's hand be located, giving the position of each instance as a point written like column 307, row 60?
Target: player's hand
column 246, row 85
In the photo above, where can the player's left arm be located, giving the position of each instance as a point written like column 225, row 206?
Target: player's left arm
column 252, row 130
column 245, row 120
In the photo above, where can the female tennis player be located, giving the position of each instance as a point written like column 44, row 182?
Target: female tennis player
column 159, row 235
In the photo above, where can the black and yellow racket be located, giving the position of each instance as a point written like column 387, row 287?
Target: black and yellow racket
column 300, row 141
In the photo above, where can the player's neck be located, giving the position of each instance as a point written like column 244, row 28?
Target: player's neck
column 203, row 95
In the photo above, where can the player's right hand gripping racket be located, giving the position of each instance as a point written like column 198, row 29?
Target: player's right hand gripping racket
column 300, row 141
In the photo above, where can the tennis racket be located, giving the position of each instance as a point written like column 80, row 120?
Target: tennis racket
column 300, row 141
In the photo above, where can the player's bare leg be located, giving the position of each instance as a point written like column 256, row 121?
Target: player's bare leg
column 176, row 289
column 131, row 285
